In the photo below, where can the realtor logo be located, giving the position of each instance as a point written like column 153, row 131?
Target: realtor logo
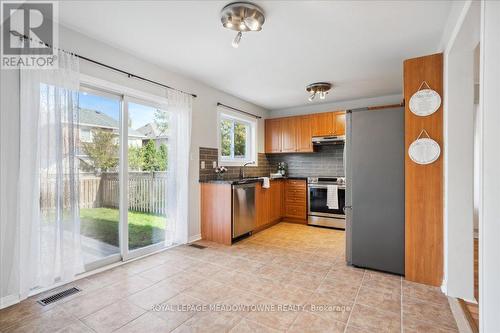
column 29, row 34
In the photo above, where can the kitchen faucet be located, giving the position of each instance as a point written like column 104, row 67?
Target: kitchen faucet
column 242, row 169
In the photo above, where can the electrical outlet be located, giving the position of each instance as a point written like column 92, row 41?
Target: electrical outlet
column 214, row 164
column 203, row 164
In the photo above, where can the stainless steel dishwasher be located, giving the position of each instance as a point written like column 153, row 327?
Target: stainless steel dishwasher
column 243, row 209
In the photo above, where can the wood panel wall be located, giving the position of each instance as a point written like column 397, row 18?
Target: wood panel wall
column 424, row 183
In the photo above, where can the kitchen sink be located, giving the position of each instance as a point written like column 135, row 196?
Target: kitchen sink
column 246, row 180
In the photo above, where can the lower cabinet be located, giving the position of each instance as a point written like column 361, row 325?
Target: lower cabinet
column 296, row 200
column 262, row 205
column 216, row 212
column 276, row 200
column 285, row 198
column 269, row 202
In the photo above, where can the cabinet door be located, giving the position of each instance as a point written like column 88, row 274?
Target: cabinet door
column 262, row 205
column 282, row 198
column 340, row 123
column 289, row 135
column 276, row 198
column 304, row 134
column 273, row 136
column 296, row 199
column 323, row 124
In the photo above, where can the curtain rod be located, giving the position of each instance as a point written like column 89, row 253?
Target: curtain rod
column 130, row 75
column 235, row 109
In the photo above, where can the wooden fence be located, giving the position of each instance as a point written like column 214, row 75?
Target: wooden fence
column 147, row 191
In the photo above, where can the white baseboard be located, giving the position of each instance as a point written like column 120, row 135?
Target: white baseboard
column 443, row 288
column 459, row 315
column 194, row 238
column 8, row 301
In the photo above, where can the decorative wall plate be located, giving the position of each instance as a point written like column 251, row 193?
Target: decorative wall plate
column 425, row 101
column 424, row 151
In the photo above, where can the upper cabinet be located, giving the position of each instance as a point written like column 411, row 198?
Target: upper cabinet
column 289, row 135
column 323, row 124
column 339, row 123
column 273, row 135
column 294, row 134
column 304, row 134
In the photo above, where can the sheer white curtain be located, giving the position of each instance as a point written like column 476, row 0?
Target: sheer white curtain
column 50, row 247
column 180, row 109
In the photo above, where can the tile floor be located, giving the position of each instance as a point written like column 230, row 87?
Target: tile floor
column 297, row 273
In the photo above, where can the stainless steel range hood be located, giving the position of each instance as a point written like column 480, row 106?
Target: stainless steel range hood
column 328, row 140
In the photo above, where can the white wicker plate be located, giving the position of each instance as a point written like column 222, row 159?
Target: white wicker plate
column 425, row 102
column 424, row 151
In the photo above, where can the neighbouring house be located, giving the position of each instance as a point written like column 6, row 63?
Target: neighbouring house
column 93, row 120
column 153, row 132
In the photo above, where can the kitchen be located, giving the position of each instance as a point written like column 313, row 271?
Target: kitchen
column 301, row 178
column 273, row 153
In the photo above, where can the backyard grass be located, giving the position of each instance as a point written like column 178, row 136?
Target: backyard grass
column 102, row 224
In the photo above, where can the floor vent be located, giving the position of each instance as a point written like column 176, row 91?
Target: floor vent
column 58, row 296
column 201, row 247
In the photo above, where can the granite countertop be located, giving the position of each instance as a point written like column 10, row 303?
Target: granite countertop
column 247, row 180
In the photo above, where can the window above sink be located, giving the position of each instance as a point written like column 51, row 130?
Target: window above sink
column 236, row 138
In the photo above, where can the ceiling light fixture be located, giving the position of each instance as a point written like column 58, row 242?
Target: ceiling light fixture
column 242, row 17
column 318, row 88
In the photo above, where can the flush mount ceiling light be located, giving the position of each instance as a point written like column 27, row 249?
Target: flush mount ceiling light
column 242, row 17
column 318, row 88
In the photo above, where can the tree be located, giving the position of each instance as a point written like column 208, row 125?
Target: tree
column 135, row 158
column 163, row 157
column 150, row 157
column 240, row 139
column 161, row 121
column 225, row 137
column 102, row 151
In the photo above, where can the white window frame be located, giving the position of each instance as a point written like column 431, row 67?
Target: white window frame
column 251, row 143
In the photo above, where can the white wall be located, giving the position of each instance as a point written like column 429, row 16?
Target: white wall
column 459, row 154
column 338, row 105
column 489, row 224
column 204, row 128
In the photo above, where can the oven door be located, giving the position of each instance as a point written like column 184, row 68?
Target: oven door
column 317, row 202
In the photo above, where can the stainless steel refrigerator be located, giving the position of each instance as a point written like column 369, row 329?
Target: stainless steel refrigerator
column 375, row 215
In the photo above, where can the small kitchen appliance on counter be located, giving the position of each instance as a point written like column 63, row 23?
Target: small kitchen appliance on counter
column 326, row 202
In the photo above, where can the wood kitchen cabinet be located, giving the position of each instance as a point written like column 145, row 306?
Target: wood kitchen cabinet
column 289, row 135
column 296, row 200
column 329, row 123
column 273, row 135
column 294, row 134
column 323, row 124
column 269, row 203
column 216, row 216
column 262, row 205
column 276, row 200
column 339, row 123
column 304, row 134
column 285, row 198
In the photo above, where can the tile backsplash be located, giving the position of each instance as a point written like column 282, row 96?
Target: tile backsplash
column 209, row 155
column 325, row 161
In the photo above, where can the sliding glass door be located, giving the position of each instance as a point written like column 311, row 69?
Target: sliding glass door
column 99, row 164
column 147, row 155
column 122, row 150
